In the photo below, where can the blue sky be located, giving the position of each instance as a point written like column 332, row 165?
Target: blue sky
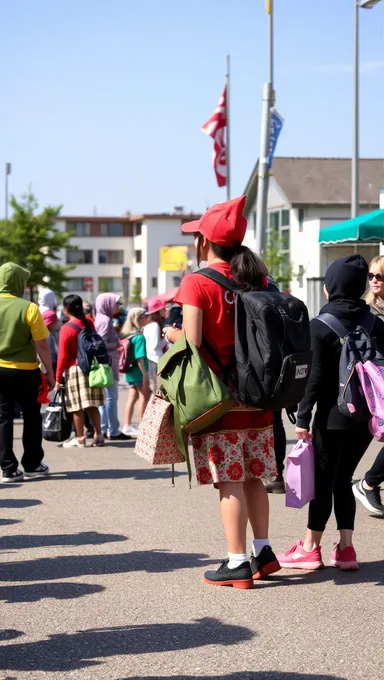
column 102, row 102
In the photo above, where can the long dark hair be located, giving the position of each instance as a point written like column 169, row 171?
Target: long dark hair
column 74, row 305
column 248, row 269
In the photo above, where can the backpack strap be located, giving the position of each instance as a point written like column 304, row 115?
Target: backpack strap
column 74, row 326
column 222, row 280
column 334, row 324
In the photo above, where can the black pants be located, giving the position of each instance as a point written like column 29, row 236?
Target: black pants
column 375, row 476
column 280, row 441
column 21, row 386
column 337, row 455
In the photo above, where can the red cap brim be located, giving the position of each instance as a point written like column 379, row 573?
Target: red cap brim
column 191, row 227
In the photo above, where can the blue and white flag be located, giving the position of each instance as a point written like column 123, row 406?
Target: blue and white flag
column 277, row 123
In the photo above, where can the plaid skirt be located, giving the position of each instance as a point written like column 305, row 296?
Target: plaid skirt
column 78, row 394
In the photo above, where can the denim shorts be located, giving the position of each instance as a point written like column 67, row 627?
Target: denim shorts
column 135, row 385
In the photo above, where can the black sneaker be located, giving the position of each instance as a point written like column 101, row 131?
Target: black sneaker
column 264, row 564
column 277, row 485
column 240, row 577
column 121, row 437
column 40, row 471
column 370, row 498
column 15, row 476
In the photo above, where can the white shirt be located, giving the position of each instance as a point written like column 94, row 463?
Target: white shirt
column 155, row 342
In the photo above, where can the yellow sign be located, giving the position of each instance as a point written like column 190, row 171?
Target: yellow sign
column 173, row 258
column 269, row 6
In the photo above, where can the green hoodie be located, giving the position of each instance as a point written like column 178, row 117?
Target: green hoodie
column 16, row 343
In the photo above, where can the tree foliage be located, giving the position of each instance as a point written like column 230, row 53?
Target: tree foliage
column 279, row 265
column 135, row 293
column 32, row 239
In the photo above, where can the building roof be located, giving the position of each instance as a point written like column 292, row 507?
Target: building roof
column 184, row 217
column 322, row 181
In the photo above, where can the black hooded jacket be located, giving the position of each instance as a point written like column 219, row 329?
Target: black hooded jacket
column 346, row 281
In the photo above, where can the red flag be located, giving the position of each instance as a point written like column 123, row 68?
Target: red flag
column 214, row 127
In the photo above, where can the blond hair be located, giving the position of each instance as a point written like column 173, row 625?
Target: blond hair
column 372, row 299
column 132, row 325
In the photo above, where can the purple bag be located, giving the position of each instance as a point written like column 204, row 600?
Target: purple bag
column 300, row 481
column 371, row 378
column 376, row 427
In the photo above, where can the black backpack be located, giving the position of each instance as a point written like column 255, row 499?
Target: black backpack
column 272, row 346
column 356, row 346
column 90, row 346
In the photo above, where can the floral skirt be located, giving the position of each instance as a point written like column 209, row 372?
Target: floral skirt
column 238, row 447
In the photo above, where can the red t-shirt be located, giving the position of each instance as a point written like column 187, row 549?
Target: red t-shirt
column 67, row 355
column 218, row 305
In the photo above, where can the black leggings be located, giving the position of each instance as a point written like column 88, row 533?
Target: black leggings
column 337, row 455
column 280, row 441
column 375, row 476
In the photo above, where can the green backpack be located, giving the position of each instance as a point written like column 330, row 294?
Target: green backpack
column 198, row 396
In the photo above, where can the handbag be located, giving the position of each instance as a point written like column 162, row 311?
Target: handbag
column 100, row 375
column 57, row 422
column 371, row 378
column 300, row 479
column 156, row 441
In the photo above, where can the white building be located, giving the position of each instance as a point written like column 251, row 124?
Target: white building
column 305, row 195
column 107, row 245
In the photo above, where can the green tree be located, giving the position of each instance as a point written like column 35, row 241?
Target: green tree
column 32, row 239
column 135, row 293
column 279, row 265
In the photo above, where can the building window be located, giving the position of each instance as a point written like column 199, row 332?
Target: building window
column 75, row 285
column 110, row 284
column 138, row 228
column 111, row 256
column 285, row 218
column 301, row 219
column 111, row 229
column 154, row 281
column 300, row 278
column 138, row 256
column 285, row 240
column 274, row 220
column 79, row 256
column 80, row 228
column 176, row 281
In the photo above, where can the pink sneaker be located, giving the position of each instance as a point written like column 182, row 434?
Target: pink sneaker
column 298, row 558
column 345, row 559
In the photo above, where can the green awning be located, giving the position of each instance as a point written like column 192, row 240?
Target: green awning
column 363, row 229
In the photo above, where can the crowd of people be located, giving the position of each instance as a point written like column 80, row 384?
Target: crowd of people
column 241, row 454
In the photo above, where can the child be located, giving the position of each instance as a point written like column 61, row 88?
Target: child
column 137, row 378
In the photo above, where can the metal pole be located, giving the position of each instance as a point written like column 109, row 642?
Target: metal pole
column 6, row 191
column 263, row 179
column 228, row 133
column 355, row 202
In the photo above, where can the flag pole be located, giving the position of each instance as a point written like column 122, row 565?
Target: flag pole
column 228, row 133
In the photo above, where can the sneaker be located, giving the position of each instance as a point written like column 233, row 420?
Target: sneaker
column 370, row 498
column 130, row 430
column 75, row 442
column 37, row 472
column 121, row 437
column 15, row 476
column 98, row 440
column 345, row 559
column 264, row 564
column 276, row 485
column 298, row 558
column 240, row 577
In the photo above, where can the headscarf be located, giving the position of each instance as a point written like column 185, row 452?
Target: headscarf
column 346, row 282
column 105, row 306
column 47, row 300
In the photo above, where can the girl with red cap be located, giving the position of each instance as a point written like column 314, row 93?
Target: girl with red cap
column 236, row 452
column 156, row 345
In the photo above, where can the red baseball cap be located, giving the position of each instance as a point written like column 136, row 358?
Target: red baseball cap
column 223, row 223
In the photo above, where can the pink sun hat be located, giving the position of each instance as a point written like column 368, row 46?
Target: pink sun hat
column 155, row 305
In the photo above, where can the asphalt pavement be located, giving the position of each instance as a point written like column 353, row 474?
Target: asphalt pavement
column 101, row 568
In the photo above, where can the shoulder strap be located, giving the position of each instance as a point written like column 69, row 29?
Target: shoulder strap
column 74, row 326
column 334, row 324
column 222, row 280
column 369, row 322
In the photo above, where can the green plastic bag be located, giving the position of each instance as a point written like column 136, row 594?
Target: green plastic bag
column 100, row 375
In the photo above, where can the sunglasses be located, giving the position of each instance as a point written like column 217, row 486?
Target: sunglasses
column 378, row 277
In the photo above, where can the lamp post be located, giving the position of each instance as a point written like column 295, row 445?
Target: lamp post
column 355, row 201
column 8, row 170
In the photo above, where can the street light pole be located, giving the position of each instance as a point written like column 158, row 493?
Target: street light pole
column 8, row 168
column 355, row 199
column 263, row 175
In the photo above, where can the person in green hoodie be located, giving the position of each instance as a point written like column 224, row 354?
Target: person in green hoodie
column 23, row 336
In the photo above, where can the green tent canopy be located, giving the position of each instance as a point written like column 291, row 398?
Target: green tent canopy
column 363, row 229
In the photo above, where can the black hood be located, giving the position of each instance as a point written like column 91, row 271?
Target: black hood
column 346, row 283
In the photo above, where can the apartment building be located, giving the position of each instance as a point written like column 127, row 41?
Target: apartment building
column 109, row 248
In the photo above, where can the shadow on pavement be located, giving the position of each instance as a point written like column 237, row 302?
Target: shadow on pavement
column 65, row 652
column 258, row 675
column 37, row 541
column 10, row 634
column 72, row 566
column 41, row 591
column 150, row 473
column 18, row 502
column 4, row 522
column 369, row 572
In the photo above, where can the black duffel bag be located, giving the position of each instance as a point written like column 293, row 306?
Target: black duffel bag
column 57, row 422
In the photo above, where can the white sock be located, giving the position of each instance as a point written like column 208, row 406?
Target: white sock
column 258, row 544
column 235, row 560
